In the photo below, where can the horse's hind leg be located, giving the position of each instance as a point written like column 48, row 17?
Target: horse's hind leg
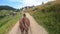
column 26, row 31
column 22, row 31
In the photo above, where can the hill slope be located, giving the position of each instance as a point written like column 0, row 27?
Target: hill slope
column 6, row 8
column 48, row 15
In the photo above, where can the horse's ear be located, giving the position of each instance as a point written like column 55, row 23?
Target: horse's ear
column 24, row 14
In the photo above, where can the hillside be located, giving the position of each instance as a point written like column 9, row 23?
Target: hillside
column 8, row 19
column 47, row 15
column 6, row 8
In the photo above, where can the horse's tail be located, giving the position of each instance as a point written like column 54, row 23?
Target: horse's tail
column 23, row 22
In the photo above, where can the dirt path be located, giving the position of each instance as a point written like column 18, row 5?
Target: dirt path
column 35, row 28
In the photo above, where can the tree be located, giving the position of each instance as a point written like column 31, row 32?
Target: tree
column 42, row 2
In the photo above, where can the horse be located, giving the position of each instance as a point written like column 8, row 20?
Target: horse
column 24, row 24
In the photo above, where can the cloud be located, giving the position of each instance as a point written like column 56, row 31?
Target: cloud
column 34, row 2
column 15, row 0
column 29, row 2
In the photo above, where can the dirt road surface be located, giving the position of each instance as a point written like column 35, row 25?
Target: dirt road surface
column 34, row 29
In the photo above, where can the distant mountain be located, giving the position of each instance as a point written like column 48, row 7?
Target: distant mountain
column 6, row 8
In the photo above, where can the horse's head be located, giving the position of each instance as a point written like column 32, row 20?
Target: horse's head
column 24, row 15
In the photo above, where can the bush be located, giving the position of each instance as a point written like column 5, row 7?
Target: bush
column 50, row 18
column 55, row 7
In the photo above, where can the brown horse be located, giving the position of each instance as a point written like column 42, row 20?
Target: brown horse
column 24, row 24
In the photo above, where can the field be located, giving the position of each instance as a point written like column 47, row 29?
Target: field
column 48, row 16
column 48, row 20
column 8, row 21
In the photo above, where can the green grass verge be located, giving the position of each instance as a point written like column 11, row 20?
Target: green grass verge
column 7, row 25
column 50, row 21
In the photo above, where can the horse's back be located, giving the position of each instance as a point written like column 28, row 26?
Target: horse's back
column 27, row 22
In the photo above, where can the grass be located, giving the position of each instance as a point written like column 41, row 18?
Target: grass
column 5, row 28
column 8, row 22
column 5, row 20
column 50, row 21
column 47, row 15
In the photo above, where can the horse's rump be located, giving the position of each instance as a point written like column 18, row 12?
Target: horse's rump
column 24, row 24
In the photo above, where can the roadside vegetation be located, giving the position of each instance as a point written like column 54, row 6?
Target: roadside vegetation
column 48, row 16
column 7, row 22
column 8, row 18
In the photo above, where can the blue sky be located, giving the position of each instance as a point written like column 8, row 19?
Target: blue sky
column 22, row 3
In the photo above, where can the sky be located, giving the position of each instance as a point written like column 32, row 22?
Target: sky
column 22, row 3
